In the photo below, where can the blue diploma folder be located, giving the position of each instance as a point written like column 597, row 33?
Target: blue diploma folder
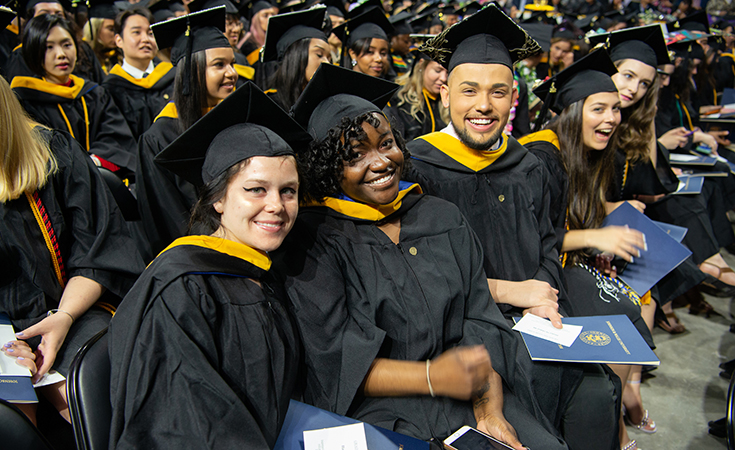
column 15, row 389
column 604, row 339
column 664, row 253
column 674, row 231
column 302, row 417
column 691, row 184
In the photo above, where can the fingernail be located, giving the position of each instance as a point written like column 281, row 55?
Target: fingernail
column 632, row 260
column 645, row 244
column 20, row 333
column 10, row 350
column 20, row 358
column 7, row 344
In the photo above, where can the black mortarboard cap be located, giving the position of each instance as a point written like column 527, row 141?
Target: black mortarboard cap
column 249, row 8
column 245, row 124
column 285, row 29
column 688, row 48
column 540, row 16
column 334, row 7
column 334, row 93
column 585, row 24
column 201, row 5
column 292, row 7
column 693, row 22
column 423, row 20
column 370, row 24
column 161, row 10
column 102, row 9
column 190, row 34
column 6, row 16
column 364, row 6
column 540, row 32
column 469, row 9
column 587, row 76
column 488, row 37
column 644, row 44
column 400, row 23
column 566, row 30
column 24, row 6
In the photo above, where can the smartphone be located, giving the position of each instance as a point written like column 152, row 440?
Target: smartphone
column 468, row 438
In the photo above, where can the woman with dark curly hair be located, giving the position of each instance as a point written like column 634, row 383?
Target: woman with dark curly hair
column 392, row 305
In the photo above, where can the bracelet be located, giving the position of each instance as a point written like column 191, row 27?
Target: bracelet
column 428, row 380
column 51, row 312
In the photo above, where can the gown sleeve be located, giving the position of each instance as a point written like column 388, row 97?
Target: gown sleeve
column 100, row 247
column 111, row 137
column 340, row 344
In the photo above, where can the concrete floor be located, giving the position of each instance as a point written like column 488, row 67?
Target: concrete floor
column 686, row 391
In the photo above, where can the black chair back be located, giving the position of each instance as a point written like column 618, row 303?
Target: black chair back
column 17, row 431
column 88, row 391
column 123, row 197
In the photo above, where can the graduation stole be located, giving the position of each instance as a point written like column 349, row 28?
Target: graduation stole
column 731, row 56
column 350, row 208
column 474, row 160
column 49, row 236
column 148, row 82
column 169, row 111
column 244, row 71
column 428, row 96
column 255, row 257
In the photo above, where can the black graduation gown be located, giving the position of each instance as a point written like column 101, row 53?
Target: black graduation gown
column 401, row 119
column 201, row 356
column 8, row 41
column 90, row 233
column 89, row 115
column 164, row 199
column 506, row 203
column 90, row 69
column 358, row 296
column 141, row 99
column 590, row 292
column 521, row 122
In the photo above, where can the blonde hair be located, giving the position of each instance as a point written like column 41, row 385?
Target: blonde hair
column 91, row 33
column 26, row 160
column 411, row 93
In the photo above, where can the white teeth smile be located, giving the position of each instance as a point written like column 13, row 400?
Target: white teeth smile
column 605, row 132
column 381, row 179
column 269, row 225
column 481, row 121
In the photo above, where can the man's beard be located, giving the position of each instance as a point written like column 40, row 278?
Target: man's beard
column 482, row 146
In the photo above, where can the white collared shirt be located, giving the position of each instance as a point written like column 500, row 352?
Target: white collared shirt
column 135, row 72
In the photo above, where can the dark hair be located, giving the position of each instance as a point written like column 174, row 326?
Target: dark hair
column 204, row 218
column 189, row 107
column 34, row 40
column 290, row 78
column 123, row 17
column 590, row 173
column 360, row 47
column 680, row 84
column 322, row 165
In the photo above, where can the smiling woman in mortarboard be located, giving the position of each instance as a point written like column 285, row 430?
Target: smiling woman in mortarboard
column 577, row 154
column 299, row 44
column 58, row 99
column 205, row 332
column 366, row 48
column 204, row 76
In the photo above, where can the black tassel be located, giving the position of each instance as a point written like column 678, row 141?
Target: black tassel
column 186, row 89
column 541, row 119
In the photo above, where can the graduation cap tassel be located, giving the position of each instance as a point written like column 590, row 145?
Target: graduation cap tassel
column 186, row 89
column 541, row 119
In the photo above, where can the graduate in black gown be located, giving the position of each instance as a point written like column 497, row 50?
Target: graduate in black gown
column 64, row 247
column 164, row 198
column 87, row 66
column 8, row 36
column 205, row 332
column 391, row 303
column 141, row 85
column 575, row 152
column 417, row 108
column 298, row 43
column 495, row 182
column 58, row 99
column 365, row 47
